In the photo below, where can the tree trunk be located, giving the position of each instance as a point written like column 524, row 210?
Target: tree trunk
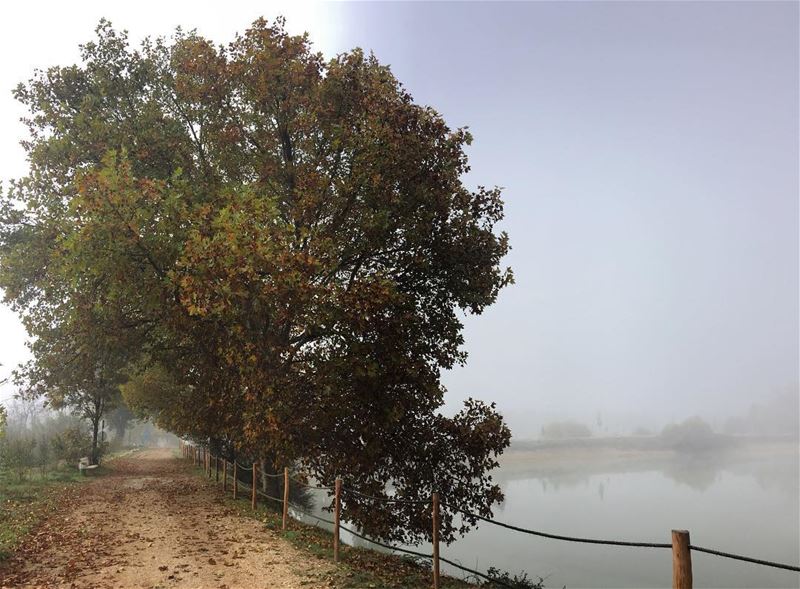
column 95, row 427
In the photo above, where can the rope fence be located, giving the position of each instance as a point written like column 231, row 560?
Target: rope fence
column 307, row 486
column 732, row 556
column 388, row 499
column 680, row 545
column 559, row 537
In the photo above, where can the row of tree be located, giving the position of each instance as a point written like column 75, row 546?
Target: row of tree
column 264, row 251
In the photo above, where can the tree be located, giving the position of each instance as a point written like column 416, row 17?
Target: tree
column 285, row 241
column 120, row 421
column 691, row 434
column 75, row 367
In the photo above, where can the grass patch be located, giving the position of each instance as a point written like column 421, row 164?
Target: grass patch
column 24, row 503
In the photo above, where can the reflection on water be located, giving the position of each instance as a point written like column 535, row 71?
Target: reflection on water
column 741, row 502
column 779, row 472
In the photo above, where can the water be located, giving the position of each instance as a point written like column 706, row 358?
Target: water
column 745, row 503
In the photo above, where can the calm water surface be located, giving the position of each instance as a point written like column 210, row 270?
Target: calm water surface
column 746, row 504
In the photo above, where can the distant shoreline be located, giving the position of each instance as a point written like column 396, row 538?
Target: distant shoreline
column 574, row 453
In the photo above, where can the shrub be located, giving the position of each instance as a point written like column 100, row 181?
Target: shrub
column 505, row 579
column 691, row 434
column 18, row 454
column 72, row 445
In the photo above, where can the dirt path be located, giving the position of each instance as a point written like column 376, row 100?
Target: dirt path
column 150, row 523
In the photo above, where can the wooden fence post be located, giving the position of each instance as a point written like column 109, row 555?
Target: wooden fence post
column 216, row 468
column 681, row 560
column 336, row 518
column 224, row 476
column 255, row 472
column 285, row 496
column 435, row 514
column 235, row 478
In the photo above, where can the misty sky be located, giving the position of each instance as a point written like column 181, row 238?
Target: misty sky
column 649, row 154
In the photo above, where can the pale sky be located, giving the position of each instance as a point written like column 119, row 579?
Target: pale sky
column 649, row 153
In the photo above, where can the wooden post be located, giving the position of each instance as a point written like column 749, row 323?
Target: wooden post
column 255, row 472
column 681, row 560
column 336, row 517
column 235, row 478
column 285, row 496
column 216, row 468
column 435, row 514
column 224, row 475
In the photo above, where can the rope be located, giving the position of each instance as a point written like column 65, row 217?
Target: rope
column 303, row 511
column 768, row 563
column 479, row 574
column 427, row 556
column 387, row 546
column 559, row 537
column 387, row 499
column 302, row 484
column 243, row 467
column 268, row 496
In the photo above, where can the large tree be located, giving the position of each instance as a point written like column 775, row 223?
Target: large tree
column 287, row 244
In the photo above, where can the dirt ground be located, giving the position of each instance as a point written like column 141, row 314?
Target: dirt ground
column 150, row 523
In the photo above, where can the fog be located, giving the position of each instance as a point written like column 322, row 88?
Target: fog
column 649, row 154
column 650, row 157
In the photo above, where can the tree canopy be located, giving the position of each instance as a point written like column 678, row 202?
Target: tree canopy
column 278, row 247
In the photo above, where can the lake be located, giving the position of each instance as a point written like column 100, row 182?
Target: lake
column 743, row 501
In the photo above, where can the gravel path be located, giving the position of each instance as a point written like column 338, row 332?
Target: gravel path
column 150, row 523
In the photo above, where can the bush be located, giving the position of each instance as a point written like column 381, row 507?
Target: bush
column 691, row 434
column 72, row 445
column 18, row 454
column 505, row 579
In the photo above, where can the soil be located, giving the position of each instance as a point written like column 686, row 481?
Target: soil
column 151, row 523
